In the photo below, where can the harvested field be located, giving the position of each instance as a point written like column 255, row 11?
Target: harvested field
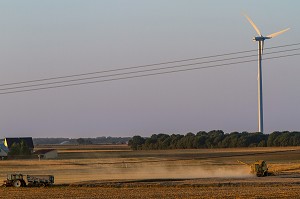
column 154, row 192
column 92, row 172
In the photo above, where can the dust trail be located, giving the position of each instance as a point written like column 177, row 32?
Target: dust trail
column 185, row 172
column 142, row 172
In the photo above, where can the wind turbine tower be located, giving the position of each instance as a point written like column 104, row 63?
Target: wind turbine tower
column 261, row 39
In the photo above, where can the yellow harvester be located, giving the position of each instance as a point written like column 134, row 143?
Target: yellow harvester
column 259, row 168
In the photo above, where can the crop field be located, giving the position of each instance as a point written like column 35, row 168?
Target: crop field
column 97, row 171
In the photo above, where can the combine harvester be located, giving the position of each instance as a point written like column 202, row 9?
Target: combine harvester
column 258, row 168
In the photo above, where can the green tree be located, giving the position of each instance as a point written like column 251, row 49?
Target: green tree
column 136, row 142
column 272, row 137
column 262, row 143
column 24, row 149
column 82, row 141
column 14, row 149
column 19, row 149
column 295, row 139
column 215, row 139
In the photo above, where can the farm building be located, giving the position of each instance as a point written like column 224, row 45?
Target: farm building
column 3, row 151
column 46, row 153
column 8, row 142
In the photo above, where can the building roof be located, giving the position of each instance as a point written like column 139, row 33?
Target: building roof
column 27, row 140
column 3, row 153
column 3, row 147
column 43, row 151
column 3, row 150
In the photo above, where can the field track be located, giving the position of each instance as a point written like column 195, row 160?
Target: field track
column 223, row 191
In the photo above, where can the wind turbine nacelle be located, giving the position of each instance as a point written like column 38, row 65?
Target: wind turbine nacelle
column 261, row 38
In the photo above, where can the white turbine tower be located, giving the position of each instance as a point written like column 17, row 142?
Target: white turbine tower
column 260, row 39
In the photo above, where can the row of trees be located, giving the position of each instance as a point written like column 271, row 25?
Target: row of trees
column 214, row 139
column 82, row 141
column 103, row 140
column 19, row 149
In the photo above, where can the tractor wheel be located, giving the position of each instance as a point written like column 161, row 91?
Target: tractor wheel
column 17, row 183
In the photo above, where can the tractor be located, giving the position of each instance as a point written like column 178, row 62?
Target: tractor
column 20, row 180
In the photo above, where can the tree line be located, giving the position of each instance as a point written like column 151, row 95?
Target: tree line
column 82, row 141
column 214, row 139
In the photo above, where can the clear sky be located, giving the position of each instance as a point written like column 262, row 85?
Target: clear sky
column 41, row 39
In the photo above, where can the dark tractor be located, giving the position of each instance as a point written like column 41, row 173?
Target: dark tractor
column 20, row 180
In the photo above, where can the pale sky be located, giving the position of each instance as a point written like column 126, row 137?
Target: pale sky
column 42, row 39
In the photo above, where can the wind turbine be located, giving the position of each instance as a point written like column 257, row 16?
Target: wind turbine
column 260, row 39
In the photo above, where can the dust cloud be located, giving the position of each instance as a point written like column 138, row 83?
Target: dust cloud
column 185, row 172
column 150, row 171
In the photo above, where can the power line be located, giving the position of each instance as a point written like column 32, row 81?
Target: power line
column 142, row 71
column 145, row 75
column 143, row 66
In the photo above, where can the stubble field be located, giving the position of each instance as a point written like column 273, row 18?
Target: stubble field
column 117, row 172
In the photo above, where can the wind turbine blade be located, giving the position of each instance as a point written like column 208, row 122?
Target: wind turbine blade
column 278, row 33
column 253, row 25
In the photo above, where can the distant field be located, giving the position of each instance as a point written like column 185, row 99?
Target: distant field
column 115, row 168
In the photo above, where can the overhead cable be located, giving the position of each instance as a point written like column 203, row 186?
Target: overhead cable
column 142, row 66
column 145, row 75
column 143, row 71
